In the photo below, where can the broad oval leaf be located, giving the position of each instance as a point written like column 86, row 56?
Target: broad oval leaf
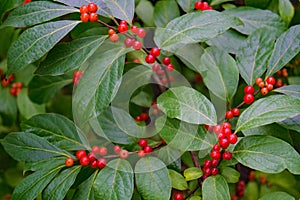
column 193, row 28
column 85, row 189
column 219, row 72
column 286, row 47
column 158, row 184
column 254, row 18
column 267, row 154
column 115, row 181
column 36, row 42
column 187, row 105
column 35, row 183
column 215, row 187
column 146, row 17
column 66, row 57
column 277, row 196
column 286, row 10
column 57, row 129
column 231, row 175
column 291, row 123
column 254, row 54
column 192, row 173
column 177, row 180
column 60, row 185
column 36, row 13
column 187, row 5
column 29, row 147
column 291, row 90
column 164, row 12
column 271, row 109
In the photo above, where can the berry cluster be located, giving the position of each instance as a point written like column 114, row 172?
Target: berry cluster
column 240, row 190
column 169, row 67
column 93, row 159
column 265, row 86
column 77, row 76
column 88, row 12
column 249, row 94
column 16, row 88
column 199, row 5
column 178, row 196
column 145, row 148
column 141, row 117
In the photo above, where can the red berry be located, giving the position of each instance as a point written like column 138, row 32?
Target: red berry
column 229, row 114
column 217, row 129
column 124, row 154
column 170, row 67
column 214, row 171
column 148, row 149
column 207, row 171
column 226, row 125
column 117, row 149
column 248, row 98
column 101, row 163
column 227, row 155
column 178, row 196
column 134, row 29
column 128, row 42
column 232, row 139
column 224, row 143
column 84, row 161
column 92, row 7
column 221, row 135
column 261, row 84
column 111, row 31
column 258, row 81
column 137, row 45
column 69, row 162
column 91, row 157
column 95, row 150
column 166, row 60
column 141, row 153
column 84, row 9
column 13, row 91
column 216, row 147
column 123, row 28
column 141, row 32
column 155, row 52
column 144, row 116
column 271, row 80
column 249, row 89
column 155, row 67
column 114, row 37
column 236, row 112
column 138, row 118
column 264, row 91
column 143, row 143
column 93, row 17
column 150, row 59
column 214, row 162
column 207, row 163
column 227, row 132
column 80, row 153
column 215, row 155
column 85, row 17
column 94, row 164
column 270, row 87
column 11, row 77
column 123, row 22
column 198, row 5
column 102, row 151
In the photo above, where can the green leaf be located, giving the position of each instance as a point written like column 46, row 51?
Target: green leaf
column 184, row 136
column 8, row 106
column 164, row 12
column 187, row 5
column 152, row 179
column 142, row 99
column 254, row 54
column 271, row 109
column 26, row 107
column 66, row 57
column 291, row 90
column 192, row 173
column 115, row 181
column 254, row 18
column 42, row 88
column 286, row 47
column 277, row 196
column 36, row 13
column 85, row 190
column 267, row 154
column 291, row 123
column 146, row 17
column 29, row 147
column 215, row 187
column 60, row 185
column 257, row 3
column 44, row 164
column 231, row 175
column 286, row 10
column 192, row 28
column 177, row 180
column 187, row 105
column 217, row 2
column 35, row 183
column 216, row 64
column 252, row 190
column 57, row 129
column 36, row 42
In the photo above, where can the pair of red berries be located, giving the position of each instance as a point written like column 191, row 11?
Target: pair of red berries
column 146, row 148
column 88, row 12
column 265, row 86
column 141, row 117
column 121, row 152
column 77, row 77
column 199, row 5
column 249, row 94
column 5, row 82
column 235, row 112
column 150, row 58
column 16, row 88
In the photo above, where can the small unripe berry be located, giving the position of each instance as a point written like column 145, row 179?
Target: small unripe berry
column 124, row 154
column 141, row 32
column 155, row 67
column 111, row 31
column 114, row 37
column 95, row 150
column 117, row 149
column 141, row 153
column 264, row 91
column 128, row 42
column 69, row 162
column 258, row 81
column 102, row 151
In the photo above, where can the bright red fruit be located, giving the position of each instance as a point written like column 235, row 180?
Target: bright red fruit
column 236, row 112
column 128, row 42
column 84, row 9
column 93, row 17
column 84, row 161
column 141, row 32
column 178, row 196
column 227, row 155
column 229, row 114
column 215, row 155
column 155, row 52
column 80, row 153
column 143, row 143
column 148, row 149
column 69, row 162
column 233, row 139
column 92, row 7
column 249, row 89
column 137, row 45
column 224, row 143
column 271, row 80
column 214, row 171
column 85, row 17
column 101, row 163
column 150, row 59
column 166, row 60
column 248, row 98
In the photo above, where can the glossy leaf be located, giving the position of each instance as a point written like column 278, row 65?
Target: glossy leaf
column 36, row 13
column 192, row 28
column 254, row 54
column 115, row 181
column 215, row 187
column 217, row 65
column 146, row 17
column 187, row 5
column 164, row 12
column 187, row 105
column 177, row 180
column 35, row 183
column 42, row 88
column 286, row 47
column 291, row 123
column 291, row 90
column 254, row 18
column 85, row 190
column 231, row 175
column 66, row 57
column 158, row 184
column 271, row 109
column 36, row 42
column 26, row 107
column 192, row 173
column 29, row 147
column 8, row 106
column 267, row 154
column 286, row 10
column 277, row 196
column 57, row 129
column 44, row 164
